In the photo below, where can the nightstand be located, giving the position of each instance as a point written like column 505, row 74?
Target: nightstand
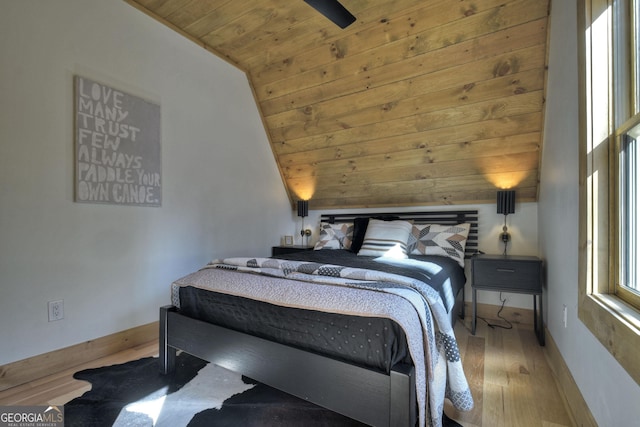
column 281, row 250
column 509, row 273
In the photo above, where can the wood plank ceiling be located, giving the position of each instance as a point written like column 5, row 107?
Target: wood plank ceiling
column 419, row 102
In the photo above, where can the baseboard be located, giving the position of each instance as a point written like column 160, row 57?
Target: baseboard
column 576, row 404
column 23, row 371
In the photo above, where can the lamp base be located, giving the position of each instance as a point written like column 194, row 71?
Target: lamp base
column 505, row 237
column 305, row 233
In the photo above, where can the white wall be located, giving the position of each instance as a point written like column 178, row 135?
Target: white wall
column 112, row 265
column 611, row 394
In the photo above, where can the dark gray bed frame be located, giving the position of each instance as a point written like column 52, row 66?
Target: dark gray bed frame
column 368, row 396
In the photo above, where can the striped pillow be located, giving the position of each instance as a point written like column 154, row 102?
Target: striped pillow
column 386, row 238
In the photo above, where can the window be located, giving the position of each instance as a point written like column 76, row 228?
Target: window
column 626, row 27
column 609, row 301
column 627, row 285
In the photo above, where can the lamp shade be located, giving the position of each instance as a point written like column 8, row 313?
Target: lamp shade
column 506, row 202
column 303, row 208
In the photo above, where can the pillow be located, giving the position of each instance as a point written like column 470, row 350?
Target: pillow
column 334, row 236
column 386, row 238
column 435, row 239
column 359, row 228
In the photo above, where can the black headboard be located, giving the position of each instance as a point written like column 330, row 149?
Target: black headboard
column 451, row 217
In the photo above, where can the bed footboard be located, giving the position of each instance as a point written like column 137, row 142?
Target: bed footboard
column 368, row 396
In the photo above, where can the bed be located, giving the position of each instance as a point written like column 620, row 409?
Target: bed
column 345, row 338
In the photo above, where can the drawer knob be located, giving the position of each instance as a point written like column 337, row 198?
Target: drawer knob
column 505, row 270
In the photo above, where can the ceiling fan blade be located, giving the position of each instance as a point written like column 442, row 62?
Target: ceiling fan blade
column 333, row 10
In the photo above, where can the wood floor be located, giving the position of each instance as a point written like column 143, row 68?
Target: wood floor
column 57, row 389
column 509, row 377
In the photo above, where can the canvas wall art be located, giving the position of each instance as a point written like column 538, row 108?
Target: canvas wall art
column 118, row 150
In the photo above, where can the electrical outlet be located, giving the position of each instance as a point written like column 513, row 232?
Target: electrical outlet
column 56, row 310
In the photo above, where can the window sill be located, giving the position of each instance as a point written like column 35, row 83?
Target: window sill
column 624, row 312
column 617, row 327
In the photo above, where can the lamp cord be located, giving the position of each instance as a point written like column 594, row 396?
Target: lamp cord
column 493, row 325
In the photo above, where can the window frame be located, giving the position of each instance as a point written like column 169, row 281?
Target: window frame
column 613, row 322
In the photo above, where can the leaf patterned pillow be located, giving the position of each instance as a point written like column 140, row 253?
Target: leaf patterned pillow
column 435, row 239
column 335, row 236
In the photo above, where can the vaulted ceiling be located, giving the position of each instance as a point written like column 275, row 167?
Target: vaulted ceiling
column 418, row 102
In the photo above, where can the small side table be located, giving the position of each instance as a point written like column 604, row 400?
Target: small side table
column 509, row 273
column 281, row 250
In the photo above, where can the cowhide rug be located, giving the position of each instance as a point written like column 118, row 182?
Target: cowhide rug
column 197, row 394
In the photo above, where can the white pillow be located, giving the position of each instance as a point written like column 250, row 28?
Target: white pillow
column 386, row 238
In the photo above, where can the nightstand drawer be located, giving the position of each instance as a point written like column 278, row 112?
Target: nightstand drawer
column 507, row 274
